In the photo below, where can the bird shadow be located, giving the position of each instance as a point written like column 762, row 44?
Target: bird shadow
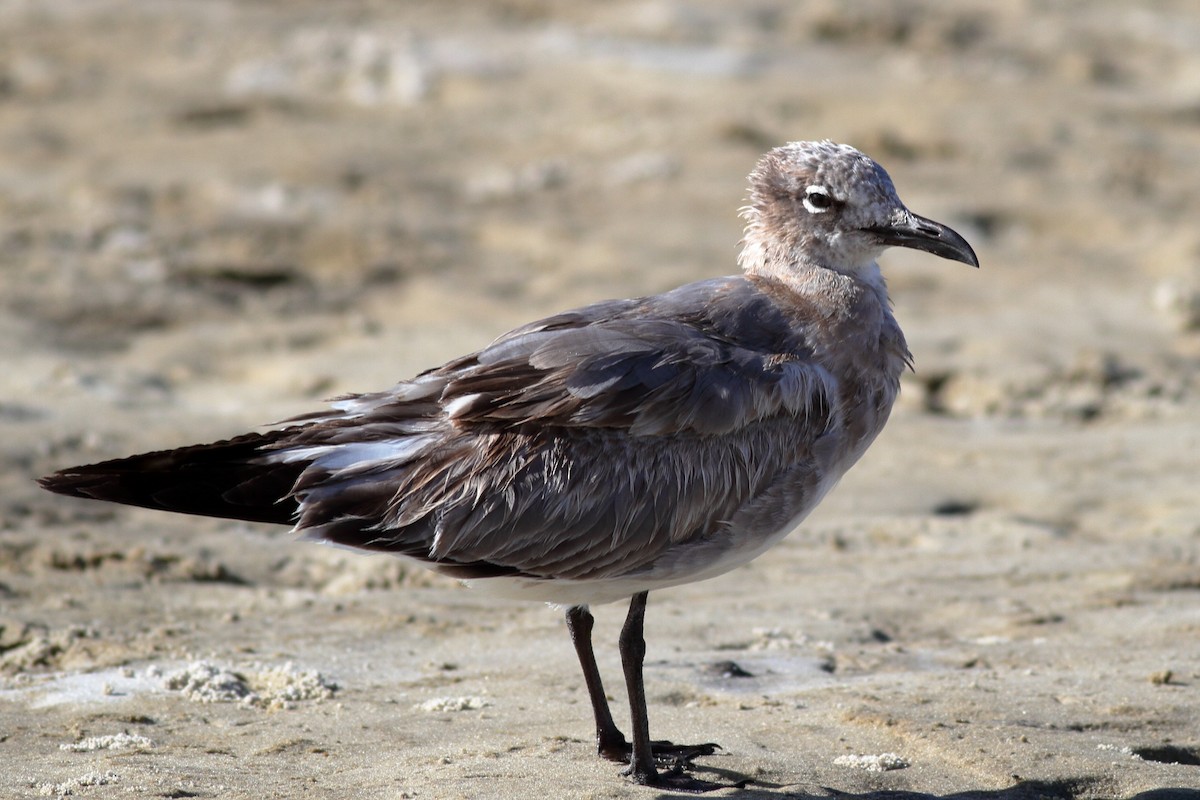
column 1063, row 789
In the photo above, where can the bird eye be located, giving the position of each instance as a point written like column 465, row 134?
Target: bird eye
column 817, row 199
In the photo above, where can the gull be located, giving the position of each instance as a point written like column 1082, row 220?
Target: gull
column 612, row 450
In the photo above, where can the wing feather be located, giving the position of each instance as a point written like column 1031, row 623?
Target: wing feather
column 581, row 446
column 591, row 444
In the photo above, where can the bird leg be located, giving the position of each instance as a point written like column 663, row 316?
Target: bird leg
column 633, row 654
column 642, row 757
column 610, row 742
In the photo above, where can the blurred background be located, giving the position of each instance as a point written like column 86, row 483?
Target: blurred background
column 193, row 193
column 214, row 215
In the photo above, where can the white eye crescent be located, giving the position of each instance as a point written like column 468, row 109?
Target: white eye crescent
column 817, row 200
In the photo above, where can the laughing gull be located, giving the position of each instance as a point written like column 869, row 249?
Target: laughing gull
column 605, row 452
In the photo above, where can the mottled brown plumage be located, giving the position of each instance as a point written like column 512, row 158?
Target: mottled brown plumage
column 611, row 450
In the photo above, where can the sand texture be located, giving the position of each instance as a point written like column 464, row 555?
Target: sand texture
column 214, row 215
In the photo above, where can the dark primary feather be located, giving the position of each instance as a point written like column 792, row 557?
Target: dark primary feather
column 580, row 446
column 221, row 479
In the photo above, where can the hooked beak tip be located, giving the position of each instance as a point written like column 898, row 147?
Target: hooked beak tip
column 921, row 233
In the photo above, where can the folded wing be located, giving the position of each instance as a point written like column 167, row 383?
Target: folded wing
column 582, row 446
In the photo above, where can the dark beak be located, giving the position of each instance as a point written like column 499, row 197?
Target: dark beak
column 920, row 233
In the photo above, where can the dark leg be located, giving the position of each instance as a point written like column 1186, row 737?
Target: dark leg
column 641, row 762
column 633, row 655
column 610, row 742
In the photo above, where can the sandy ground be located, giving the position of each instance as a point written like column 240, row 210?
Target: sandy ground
column 214, row 215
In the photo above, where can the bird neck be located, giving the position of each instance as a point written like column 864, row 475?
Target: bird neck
column 842, row 286
column 790, row 258
column 837, row 307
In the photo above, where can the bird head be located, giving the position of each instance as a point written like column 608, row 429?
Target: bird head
column 828, row 205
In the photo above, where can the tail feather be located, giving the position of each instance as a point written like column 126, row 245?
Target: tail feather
column 227, row 479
